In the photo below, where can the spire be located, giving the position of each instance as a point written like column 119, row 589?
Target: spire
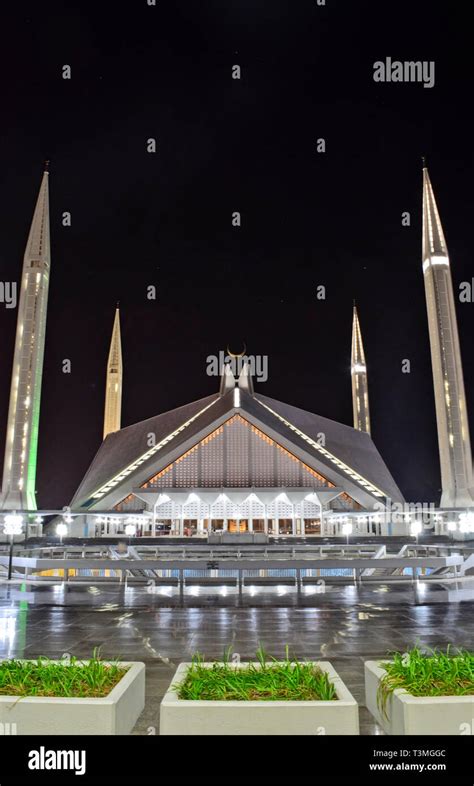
column 19, row 471
column 450, row 399
column 434, row 244
column 227, row 379
column 360, row 393
column 245, row 380
column 113, row 390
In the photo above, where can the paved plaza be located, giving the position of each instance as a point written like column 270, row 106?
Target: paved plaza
column 345, row 624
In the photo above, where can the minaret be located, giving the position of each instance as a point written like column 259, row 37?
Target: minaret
column 360, row 391
column 113, row 390
column 451, row 413
column 19, row 470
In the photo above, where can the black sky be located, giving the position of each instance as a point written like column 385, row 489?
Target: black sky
column 226, row 145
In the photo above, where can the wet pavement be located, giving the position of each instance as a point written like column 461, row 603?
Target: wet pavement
column 344, row 624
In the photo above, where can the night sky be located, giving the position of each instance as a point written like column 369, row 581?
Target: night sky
column 225, row 145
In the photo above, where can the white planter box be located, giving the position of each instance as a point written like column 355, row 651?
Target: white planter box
column 178, row 716
column 406, row 714
column 116, row 713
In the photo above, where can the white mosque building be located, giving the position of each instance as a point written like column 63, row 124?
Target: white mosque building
column 238, row 461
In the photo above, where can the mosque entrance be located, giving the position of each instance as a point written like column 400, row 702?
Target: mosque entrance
column 238, row 525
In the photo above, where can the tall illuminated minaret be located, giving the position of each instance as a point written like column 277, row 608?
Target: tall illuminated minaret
column 451, row 413
column 360, row 391
column 113, row 390
column 19, row 470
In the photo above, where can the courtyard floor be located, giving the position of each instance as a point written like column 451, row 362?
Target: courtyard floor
column 344, row 624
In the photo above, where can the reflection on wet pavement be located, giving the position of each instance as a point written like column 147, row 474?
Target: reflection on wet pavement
column 343, row 623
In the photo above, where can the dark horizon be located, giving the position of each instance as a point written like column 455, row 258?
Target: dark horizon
column 225, row 145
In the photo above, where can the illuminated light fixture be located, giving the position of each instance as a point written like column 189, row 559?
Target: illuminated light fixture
column 61, row 530
column 39, row 520
column 130, row 530
column 68, row 519
column 466, row 522
column 435, row 261
column 347, row 528
column 415, row 528
column 452, row 526
column 359, row 367
column 13, row 524
column 237, row 398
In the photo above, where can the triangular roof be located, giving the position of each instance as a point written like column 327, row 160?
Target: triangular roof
column 127, row 458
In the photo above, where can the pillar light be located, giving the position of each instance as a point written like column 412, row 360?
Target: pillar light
column 466, row 521
column 61, row 529
column 130, row 530
column 347, row 528
column 13, row 524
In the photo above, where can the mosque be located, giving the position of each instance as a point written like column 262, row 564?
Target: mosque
column 236, row 461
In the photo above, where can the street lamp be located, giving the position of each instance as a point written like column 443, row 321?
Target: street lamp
column 131, row 531
column 61, row 530
column 13, row 525
column 415, row 529
column 347, row 530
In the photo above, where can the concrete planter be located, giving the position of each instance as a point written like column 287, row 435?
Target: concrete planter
column 406, row 714
column 183, row 717
column 116, row 713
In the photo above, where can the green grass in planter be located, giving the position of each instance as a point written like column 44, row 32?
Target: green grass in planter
column 435, row 673
column 65, row 679
column 270, row 681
